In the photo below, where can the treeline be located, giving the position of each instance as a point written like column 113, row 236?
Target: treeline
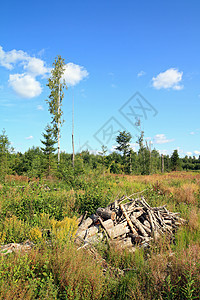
column 42, row 161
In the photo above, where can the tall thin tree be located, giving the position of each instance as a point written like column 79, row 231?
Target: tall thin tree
column 73, row 153
column 56, row 84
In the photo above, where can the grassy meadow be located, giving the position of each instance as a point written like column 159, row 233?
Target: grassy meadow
column 55, row 269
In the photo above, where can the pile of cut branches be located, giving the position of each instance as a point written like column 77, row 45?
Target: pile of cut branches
column 128, row 222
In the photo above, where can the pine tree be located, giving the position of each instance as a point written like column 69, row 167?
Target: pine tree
column 123, row 140
column 49, row 149
column 56, row 84
column 175, row 161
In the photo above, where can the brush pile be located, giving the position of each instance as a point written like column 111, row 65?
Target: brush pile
column 129, row 224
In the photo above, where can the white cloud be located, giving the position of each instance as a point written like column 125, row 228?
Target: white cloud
column 29, row 137
column 141, row 73
column 161, row 139
column 25, row 86
column 32, row 65
column 40, row 107
column 74, row 74
column 188, row 153
column 8, row 59
column 168, row 79
column 197, row 152
column 192, row 133
column 36, row 67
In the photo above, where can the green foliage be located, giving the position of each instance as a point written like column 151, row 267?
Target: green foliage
column 50, row 273
column 188, row 289
column 28, row 201
column 175, row 161
column 48, row 149
column 54, row 269
column 13, row 230
column 171, row 290
column 30, row 163
column 56, row 85
column 123, row 140
column 4, row 154
column 40, row 162
column 95, row 194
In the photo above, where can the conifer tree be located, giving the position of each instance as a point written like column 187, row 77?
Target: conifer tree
column 48, row 149
column 123, row 140
column 175, row 161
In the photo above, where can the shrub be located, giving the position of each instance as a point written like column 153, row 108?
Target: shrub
column 13, row 230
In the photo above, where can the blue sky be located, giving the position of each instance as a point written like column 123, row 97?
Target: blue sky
column 123, row 59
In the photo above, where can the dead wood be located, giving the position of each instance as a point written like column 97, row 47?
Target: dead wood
column 106, row 214
column 128, row 224
column 128, row 219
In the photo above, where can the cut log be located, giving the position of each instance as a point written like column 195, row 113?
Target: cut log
column 92, row 231
column 147, row 224
column 137, row 214
column 86, row 224
column 81, row 233
column 135, row 219
column 95, row 238
column 129, row 207
column 94, row 218
column 139, row 225
column 118, row 230
column 160, row 208
column 105, row 231
column 107, row 224
column 128, row 219
column 105, row 213
column 147, row 229
column 151, row 220
column 85, row 234
column 82, row 218
column 144, row 203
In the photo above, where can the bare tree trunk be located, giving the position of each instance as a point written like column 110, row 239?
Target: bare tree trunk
column 49, row 166
column 149, row 157
column 59, row 123
column 130, row 162
column 162, row 158
column 73, row 154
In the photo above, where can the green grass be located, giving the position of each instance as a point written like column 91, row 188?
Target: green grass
column 54, row 269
